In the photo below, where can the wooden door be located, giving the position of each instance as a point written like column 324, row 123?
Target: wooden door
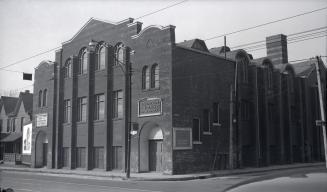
column 155, row 155
column 45, row 153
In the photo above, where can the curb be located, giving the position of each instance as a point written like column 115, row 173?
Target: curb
column 181, row 178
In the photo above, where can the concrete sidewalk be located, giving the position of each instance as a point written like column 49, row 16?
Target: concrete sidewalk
column 153, row 176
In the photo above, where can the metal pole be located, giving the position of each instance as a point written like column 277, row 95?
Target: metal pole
column 129, row 83
column 322, row 111
column 231, row 160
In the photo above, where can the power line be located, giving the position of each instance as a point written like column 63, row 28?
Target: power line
column 151, row 13
column 289, row 35
column 264, row 24
column 279, row 20
column 12, row 71
column 22, row 60
column 249, row 50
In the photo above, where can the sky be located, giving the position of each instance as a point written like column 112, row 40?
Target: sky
column 29, row 27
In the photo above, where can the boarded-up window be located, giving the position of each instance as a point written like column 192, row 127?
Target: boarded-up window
column 98, row 157
column 80, row 157
column 117, row 157
column 65, row 157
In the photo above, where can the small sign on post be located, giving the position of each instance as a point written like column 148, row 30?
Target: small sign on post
column 27, row 76
column 320, row 123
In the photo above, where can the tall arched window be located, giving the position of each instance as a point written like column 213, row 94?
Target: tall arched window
column 145, row 77
column 82, row 68
column 101, row 64
column 119, row 55
column 68, row 69
column 40, row 99
column 45, row 97
column 155, row 76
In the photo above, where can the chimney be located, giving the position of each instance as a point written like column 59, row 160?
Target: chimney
column 27, row 91
column 277, row 48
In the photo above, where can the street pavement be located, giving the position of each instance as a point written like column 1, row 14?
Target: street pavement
column 45, row 182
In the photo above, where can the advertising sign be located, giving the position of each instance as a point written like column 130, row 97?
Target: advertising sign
column 27, row 139
column 42, row 120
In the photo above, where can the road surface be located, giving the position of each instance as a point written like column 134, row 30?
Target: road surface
column 43, row 182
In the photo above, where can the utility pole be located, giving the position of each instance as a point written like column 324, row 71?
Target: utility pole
column 128, row 86
column 322, row 110
column 231, row 153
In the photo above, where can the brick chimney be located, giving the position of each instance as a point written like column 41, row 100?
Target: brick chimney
column 277, row 48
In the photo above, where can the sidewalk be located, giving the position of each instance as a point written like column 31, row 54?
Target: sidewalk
column 153, row 176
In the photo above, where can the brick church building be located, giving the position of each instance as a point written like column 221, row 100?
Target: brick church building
column 186, row 111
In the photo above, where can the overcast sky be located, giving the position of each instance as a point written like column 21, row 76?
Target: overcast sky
column 33, row 26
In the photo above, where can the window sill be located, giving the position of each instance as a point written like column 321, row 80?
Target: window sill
column 98, row 121
column 197, row 142
column 207, row 133
column 81, row 122
column 151, row 89
column 216, row 124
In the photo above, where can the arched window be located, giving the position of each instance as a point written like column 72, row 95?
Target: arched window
column 68, row 69
column 119, row 55
column 45, row 97
column 101, row 64
column 40, row 98
column 155, row 76
column 145, row 77
column 82, row 67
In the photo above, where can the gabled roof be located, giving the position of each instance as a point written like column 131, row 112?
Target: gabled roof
column 12, row 137
column 304, row 68
column 219, row 50
column 9, row 104
column 195, row 44
column 26, row 99
column 92, row 22
column 229, row 54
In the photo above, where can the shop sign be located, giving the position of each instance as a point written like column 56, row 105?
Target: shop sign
column 149, row 107
column 42, row 120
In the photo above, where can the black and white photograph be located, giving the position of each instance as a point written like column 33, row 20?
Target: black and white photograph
column 163, row 96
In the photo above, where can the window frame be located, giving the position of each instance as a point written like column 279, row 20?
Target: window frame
column 119, row 49
column 206, row 122
column 45, row 98
column 67, row 111
column 155, row 76
column 83, row 62
column 81, row 109
column 99, row 65
column 99, row 102
column 68, row 69
column 40, row 98
column 145, row 78
column 118, row 102
column 197, row 140
column 216, row 114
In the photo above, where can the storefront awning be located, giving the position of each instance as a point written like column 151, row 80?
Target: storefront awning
column 12, row 137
